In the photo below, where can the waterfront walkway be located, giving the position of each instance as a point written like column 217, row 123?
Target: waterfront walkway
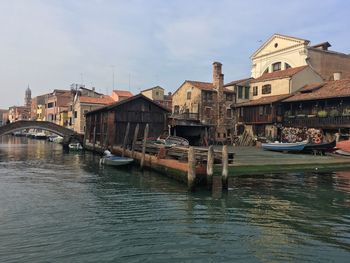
column 256, row 160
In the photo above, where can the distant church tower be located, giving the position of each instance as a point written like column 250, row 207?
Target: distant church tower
column 28, row 98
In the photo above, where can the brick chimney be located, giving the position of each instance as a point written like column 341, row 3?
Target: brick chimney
column 218, row 77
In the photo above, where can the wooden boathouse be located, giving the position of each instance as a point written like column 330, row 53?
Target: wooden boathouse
column 107, row 126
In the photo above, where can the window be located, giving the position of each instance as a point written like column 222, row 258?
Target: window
column 287, row 66
column 261, row 110
column 50, row 105
column 229, row 113
column 157, row 93
column 176, row 109
column 255, row 91
column 266, row 89
column 241, row 110
column 188, row 95
column 240, row 92
column 207, row 96
column 207, row 112
column 246, row 92
column 276, row 66
column 75, row 114
column 229, row 96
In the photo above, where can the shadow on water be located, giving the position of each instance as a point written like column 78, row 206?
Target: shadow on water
column 84, row 212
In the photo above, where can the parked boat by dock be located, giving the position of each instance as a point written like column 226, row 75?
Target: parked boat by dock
column 75, row 146
column 320, row 147
column 284, row 147
column 116, row 160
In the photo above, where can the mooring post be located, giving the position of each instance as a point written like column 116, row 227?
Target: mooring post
column 224, row 165
column 145, row 135
column 94, row 139
column 210, row 164
column 126, row 136
column 134, row 140
column 191, row 172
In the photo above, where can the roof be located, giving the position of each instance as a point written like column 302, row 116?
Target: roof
column 279, row 74
column 306, row 42
column 105, row 100
column 236, row 82
column 159, row 87
column 123, row 93
column 207, row 86
column 263, row 100
column 116, row 104
column 327, row 90
column 323, row 45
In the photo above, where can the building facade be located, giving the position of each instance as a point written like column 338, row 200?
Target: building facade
column 201, row 111
column 281, row 52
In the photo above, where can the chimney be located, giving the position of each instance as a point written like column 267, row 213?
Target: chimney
column 337, row 75
column 218, row 77
column 93, row 88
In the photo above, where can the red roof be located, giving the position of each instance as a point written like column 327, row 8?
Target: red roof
column 123, row 93
column 327, row 90
column 279, row 74
column 240, row 81
column 105, row 100
column 263, row 100
column 206, row 86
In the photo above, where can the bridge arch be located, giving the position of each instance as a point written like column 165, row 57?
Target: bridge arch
column 67, row 134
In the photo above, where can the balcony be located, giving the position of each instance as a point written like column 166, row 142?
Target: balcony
column 318, row 122
column 186, row 116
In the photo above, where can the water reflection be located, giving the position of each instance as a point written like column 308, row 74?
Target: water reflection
column 64, row 206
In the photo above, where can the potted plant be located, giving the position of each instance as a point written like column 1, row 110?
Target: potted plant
column 322, row 114
column 334, row 113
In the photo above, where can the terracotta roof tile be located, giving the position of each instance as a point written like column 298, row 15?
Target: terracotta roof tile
column 201, row 85
column 331, row 89
column 105, row 100
column 239, row 81
column 263, row 100
column 123, row 93
column 279, row 74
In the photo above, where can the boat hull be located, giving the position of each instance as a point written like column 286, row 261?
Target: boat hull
column 116, row 161
column 284, row 147
column 319, row 147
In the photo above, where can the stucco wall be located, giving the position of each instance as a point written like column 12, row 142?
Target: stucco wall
column 304, row 77
column 278, row 87
column 326, row 63
column 180, row 98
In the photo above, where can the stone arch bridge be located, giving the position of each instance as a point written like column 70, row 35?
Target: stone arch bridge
column 67, row 134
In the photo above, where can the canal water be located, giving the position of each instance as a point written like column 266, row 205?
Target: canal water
column 57, row 206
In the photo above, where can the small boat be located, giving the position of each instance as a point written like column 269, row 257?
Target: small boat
column 40, row 136
column 284, row 147
column 173, row 141
column 115, row 160
column 343, row 153
column 320, row 147
column 344, row 145
column 75, row 146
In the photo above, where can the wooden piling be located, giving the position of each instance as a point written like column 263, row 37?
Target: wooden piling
column 224, row 165
column 191, row 172
column 126, row 136
column 142, row 162
column 210, row 165
column 136, row 132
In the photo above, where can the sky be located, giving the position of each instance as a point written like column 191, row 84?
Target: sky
column 51, row 44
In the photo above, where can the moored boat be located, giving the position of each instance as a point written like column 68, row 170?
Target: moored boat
column 75, row 146
column 116, row 160
column 320, row 147
column 284, row 147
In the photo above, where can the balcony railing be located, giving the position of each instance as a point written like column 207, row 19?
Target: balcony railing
column 318, row 122
column 186, row 116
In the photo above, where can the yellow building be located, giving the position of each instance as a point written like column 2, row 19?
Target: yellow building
column 40, row 113
column 201, row 111
column 281, row 52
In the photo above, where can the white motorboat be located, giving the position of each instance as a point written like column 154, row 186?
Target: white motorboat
column 284, row 147
column 115, row 160
column 75, row 146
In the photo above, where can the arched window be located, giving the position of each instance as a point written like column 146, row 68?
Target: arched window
column 276, row 66
column 286, row 65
